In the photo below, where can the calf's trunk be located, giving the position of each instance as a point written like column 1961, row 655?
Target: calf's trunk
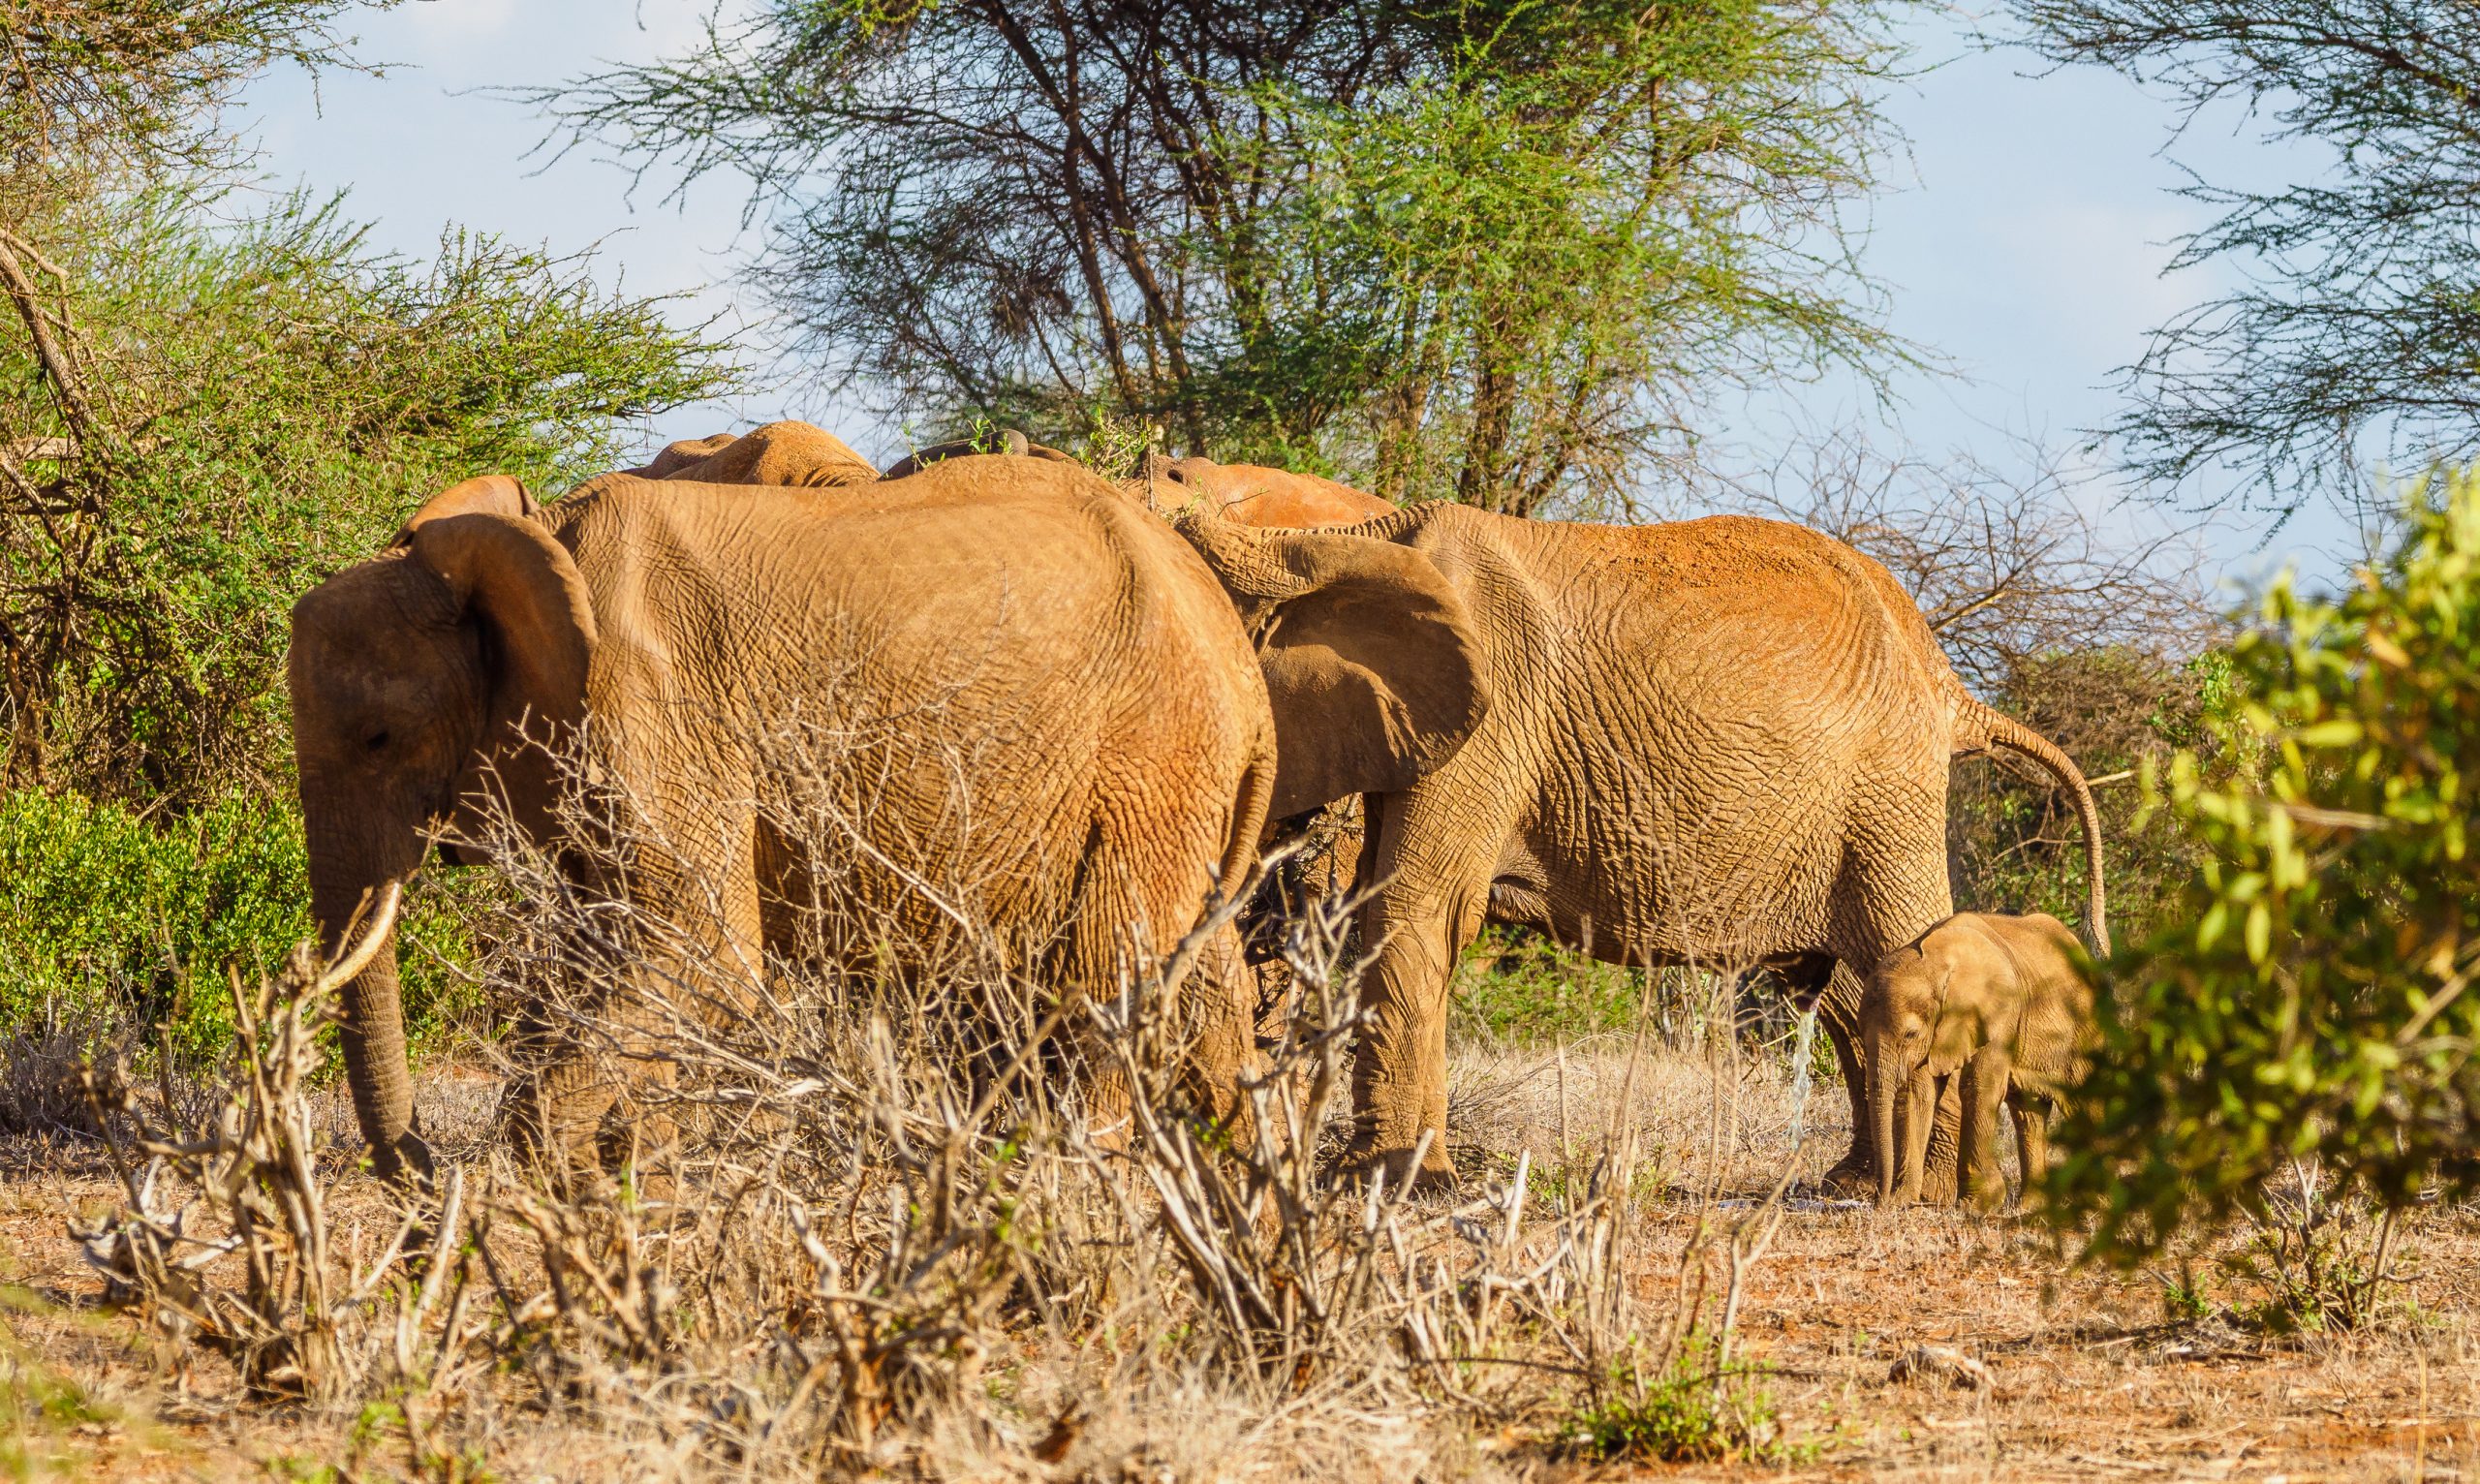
column 1885, row 1088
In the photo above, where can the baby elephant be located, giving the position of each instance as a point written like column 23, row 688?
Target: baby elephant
column 2004, row 1003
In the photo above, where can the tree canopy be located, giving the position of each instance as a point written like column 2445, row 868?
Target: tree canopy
column 204, row 408
column 2352, row 331
column 1466, row 247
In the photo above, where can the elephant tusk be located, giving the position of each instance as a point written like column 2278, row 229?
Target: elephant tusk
column 374, row 935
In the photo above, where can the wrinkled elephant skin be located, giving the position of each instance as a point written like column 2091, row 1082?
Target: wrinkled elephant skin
column 2001, row 1004
column 1012, row 629
column 1721, row 742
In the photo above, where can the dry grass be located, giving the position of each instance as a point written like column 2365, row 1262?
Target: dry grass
column 2088, row 1378
column 873, row 1233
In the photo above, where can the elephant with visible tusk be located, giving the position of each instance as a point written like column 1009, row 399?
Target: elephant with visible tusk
column 1011, row 626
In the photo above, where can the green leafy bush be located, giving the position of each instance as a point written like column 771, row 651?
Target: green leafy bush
column 117, row 924
column 1688, row 1412
column 1519, row 987
column 1494, row 250
column 283, row 395
column 2307, row 1011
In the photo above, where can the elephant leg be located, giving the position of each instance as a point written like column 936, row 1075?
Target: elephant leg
column 1944, row 1156
column 1838, row 1011
column 603, row 1058
column 1222, row 993
column 1399, row 1068
column 1891, row 892
column 1130, row 918
column 1418, row 923
column 2031, row 1136
column 1984, row 1078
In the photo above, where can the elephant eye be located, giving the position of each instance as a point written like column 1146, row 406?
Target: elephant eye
column 378, row 740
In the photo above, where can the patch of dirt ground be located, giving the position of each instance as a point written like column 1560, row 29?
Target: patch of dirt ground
column 2080, row 1372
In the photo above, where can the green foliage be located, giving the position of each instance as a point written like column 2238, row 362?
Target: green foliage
column 1461, row 246
column 2306, row 1006
column 1522, row 988
column 1687, row 1411
column 1518, row 988
column 41, row 1408
column 279, row 397
column 2318, row 1263
column 2187, row 1296
column 2308, row 1264
column 120, row 82
column 113, row 923
column 1515, row 263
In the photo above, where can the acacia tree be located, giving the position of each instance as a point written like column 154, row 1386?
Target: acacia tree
column 1466, row 247
column 200, row 416
column 2360, row 300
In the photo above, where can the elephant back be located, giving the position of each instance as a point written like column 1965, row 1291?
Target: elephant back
column 789, row 454
column 1005, row 442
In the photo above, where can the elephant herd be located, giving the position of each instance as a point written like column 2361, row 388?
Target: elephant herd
column 1720, row 742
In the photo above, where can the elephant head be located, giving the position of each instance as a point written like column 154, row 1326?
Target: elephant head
column 1372, row 663
column 431, row 677
column 1927, row 1008
column 789, row 453
column 676, row 456
column 1896, row 1013
column 1255, row 495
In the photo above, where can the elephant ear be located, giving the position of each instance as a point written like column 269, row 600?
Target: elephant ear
column 490, row 494
column 522, row 586
column 1371, row 659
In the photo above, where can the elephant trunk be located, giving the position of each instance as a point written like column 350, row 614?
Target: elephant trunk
column 1884, row 1089
column 343, row 893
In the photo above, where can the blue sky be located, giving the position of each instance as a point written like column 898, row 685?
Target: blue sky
column 2024, row 239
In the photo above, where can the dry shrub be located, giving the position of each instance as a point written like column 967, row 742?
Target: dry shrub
column 222, row 1238
column 939, row 1219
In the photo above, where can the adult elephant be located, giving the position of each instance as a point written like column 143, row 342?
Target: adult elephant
column 1009, row 630
column 1721, row 742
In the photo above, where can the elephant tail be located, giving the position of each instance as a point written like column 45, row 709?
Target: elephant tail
column 1247, row 822
column 1980, row 728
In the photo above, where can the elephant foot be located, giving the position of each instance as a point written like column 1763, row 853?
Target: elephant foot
column 1938, row 1186
column 406, row 1162
column 1363, row 1163
column 1852, row 1178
